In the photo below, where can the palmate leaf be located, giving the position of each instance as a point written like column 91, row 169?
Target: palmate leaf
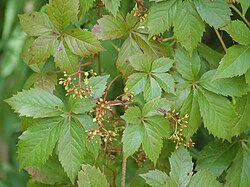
column 155, row 107
column 165, row 81
column 209, row 10
column 188, row 66
column 128, row 49
column 112, row 6
column 217, row 113
column 110, row 27
column 191, row 107
column 242, row 109
column 133, row 115
column 36, row 24
column 42, row 48
column 90, row 176
column 37, row 143
column 235, row 86
column 82, row 42
column 187, row 18
column 235, row 62
column 65, row 59
column 151, row 142
column 181, row 167
column 141, row 62
column 238, row 173
column 155, row 178
column 152, row 89
column 62, row 12
column 132, row 139
column 50, row 173
column 71, row 147
column 204, row 178
column 217, row 157
column 136, row 82
column 36, row 103
column 161, row 16
column 238, row 31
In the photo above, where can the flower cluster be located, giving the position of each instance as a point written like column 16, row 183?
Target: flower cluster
column 140, row 157
column 179, row 124
column 73, row 83
column 101, row 115
column 140, row 13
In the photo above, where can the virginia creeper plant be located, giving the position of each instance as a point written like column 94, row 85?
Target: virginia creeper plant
column 82, row 128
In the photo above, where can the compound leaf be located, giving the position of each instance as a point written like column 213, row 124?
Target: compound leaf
column 112, row 6
column 155, row 178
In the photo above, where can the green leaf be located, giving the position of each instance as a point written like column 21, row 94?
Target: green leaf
column 209, row 10
column 217, row 157
column 26, row 55
column 161, row 16
column 110, row 27
column 235, row 62
column 155, row 107
column 132, row 139
column 65, row 59
column 212, row 57
column 238, row 173
column 85, row 5
column 242, row 118
column 188, row 66
column 141, row 62
column 187, row 18
column 98, row 84
column 82, row 42
column 245, row 4
column 62, row 12
column 36, row 24
column 235, row 86
column 90, row 176
column 161, row 124
column 152, row 48
column 155, row 178
column 217, row 113
column 165, row 81
column 133, row 115
column 238, row 31
column 41, row 49
column 112, row 6
column 181, row 166
column 36, row 103
column 46, row 82
column 152, row 89
column 37, row 143
column 80, row 106
column 50, row 173
column 71, row 148
column 128, row 49
column 191, row 107
column 87, row 123
column 162, row 65
column 136, row 82
column 204, row 178
column 151, row 142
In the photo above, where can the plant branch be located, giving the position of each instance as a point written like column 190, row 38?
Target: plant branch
column 221, row 40
column 141, row 5
column 111, row 83
column 241, row 15
column 124, row 166
column 168, row 39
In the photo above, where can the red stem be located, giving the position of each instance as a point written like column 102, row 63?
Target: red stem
column 111, row 83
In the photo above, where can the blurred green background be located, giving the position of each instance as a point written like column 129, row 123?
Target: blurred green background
column 13, row 73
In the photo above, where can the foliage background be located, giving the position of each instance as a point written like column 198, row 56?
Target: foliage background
column 14, row 72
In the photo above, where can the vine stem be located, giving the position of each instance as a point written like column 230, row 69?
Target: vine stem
column 221, row 40
column 99, row 13
column 168, row 39
column 111, row 83
column 124, row 166
column 241, row 15
column 141, row 5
